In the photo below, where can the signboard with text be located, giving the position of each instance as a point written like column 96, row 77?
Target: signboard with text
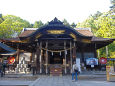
column 91, row 61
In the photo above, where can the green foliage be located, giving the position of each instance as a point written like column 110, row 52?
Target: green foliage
column 90, row 22
column 113, row 6
column 12, row 26
column 73, row 25
column 38, row 24
column 102, row 25
column 1, row 19
column 65, row 22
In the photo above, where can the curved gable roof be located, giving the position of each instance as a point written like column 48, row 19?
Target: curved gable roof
column 53, row 27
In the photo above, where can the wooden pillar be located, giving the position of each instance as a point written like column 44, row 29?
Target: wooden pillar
column 46, row 57
column 71, row 55
column 17, row 57
column 31, row 57
column 37, row 59
column 95, row 52
column 107, row 51
column 65, row 57
column 98, row 53
column 74, row 52
column 82, row 54
column 40, row 57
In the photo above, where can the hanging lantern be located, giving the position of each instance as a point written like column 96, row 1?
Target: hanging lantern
column 60, row 53
column 52, row 53
column 11, row 60
column 66, row 52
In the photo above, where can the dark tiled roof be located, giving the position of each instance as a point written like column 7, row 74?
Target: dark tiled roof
column 83, row 32
column 94, row 39
column 7, row 48
column 11, row 39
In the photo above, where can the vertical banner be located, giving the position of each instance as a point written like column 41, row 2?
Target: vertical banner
column 78, row 63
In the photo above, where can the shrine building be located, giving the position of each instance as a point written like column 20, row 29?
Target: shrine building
column 57, row 45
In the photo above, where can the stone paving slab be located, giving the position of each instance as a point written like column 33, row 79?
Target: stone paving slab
column 44, row 80
column 55, row 81
column 66, row 81
column 15, row 83
column 94, row 83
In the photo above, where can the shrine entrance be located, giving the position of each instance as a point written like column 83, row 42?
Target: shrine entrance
column 56, row 63
column 56, row 58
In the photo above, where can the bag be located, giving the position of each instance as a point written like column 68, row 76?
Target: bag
column 75, row 68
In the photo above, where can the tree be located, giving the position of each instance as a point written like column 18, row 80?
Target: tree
column 38, row 24
column 73, row 25
column 65, row 22
column 105, row 25
column 96, row 15
column 90, row 22
column 1, row 19
column 102, row 25
column 113, row 6
column 12, row 26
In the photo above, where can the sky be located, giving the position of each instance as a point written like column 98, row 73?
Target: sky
column 45, row 10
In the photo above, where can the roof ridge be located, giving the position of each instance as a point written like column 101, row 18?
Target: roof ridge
column 83, row 29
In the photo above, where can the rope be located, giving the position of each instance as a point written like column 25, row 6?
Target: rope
column 57, row 50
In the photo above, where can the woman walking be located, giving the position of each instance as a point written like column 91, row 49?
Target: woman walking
column 74, row 72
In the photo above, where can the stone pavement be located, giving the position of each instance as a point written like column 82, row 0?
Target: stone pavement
column 15, row 83
column 55, row 81
column 45, row 80
column 17, row 79
column 66, row 81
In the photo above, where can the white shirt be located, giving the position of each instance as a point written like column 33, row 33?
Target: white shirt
column 73, row 67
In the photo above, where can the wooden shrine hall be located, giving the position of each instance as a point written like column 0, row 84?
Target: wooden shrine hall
column 54, row 46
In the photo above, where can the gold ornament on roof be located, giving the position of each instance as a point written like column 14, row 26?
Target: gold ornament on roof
column 86, row 40
column 73, row 36
column 25, row 40
column 55, row 31
column 38, row 36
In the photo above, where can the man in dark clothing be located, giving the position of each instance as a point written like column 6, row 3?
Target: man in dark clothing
column 34, row 68
column 3, row 68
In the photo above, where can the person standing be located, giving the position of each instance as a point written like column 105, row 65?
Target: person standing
column 1, row 72
column 74, row 72
column 3, row 68
column 33, row 68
